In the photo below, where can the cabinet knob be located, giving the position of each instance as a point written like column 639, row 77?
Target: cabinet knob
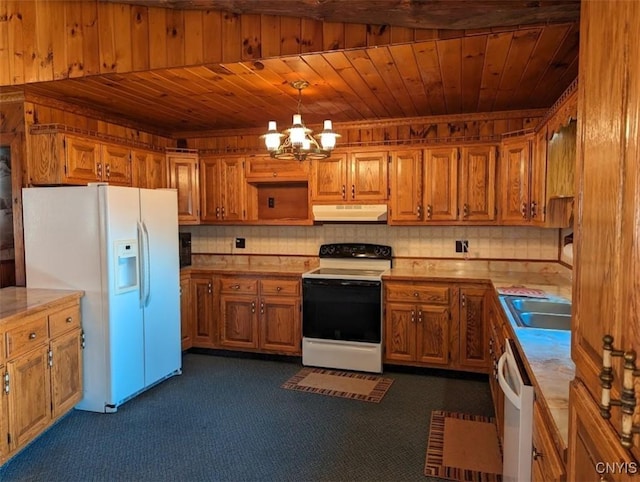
column 218, row 212
column 279, row 288
column 419, row 211
column 533, row 209
column 353, row 191
column 413, row 316
column 523, row 210
column 262, row 307
column 416, row 294
column 429, row 210
column 465, row 210
column 344, row 192
column 535, row 454
column 108, row 169
column 236, row 287
column 253, row 307
column 32, row 336
column 464, row 300
column 275, row 174
column 69, row 319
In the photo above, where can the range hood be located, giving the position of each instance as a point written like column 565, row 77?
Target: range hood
column 350, row 212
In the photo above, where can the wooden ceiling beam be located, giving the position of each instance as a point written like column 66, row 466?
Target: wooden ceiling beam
column 418, row 14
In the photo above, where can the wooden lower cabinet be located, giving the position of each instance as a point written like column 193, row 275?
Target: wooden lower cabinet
column 203, row 311
column 260, row 314
column 496, row 344
column 436, row 324
column 547, row 465
column 595, row 452
column 42, row 379
column 473, row 344
column 186, row 315
column 417, row 323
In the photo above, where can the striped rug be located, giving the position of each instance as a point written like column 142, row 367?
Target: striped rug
column 463, row 447
column 335, row 383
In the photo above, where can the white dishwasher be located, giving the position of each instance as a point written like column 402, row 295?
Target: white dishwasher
column 518, row 416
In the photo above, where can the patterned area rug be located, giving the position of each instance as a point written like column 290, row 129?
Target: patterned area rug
column 463, row 447
column 368, row 388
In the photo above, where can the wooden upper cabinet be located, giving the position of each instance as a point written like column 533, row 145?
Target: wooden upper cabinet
column 406, row 186
column 476, row 191
column 368, row 176
column 82, row 162
column 267, row 169
column 115, row 165
column 149, row 169
column 441, row 184
column 351, row 177
column 183, row 176
column 223, row 192
column 330, row 178
column 515, row 177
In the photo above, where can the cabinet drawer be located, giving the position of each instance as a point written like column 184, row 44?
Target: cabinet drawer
column 26, row 336
column 417, row 292
column 284, row 287
column 64, row 320
column 239, row 285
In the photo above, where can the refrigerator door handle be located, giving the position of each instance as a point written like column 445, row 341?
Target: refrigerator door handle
column 147, row 265
column 142, row 267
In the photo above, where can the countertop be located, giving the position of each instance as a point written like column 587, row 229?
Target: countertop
column 16, row 301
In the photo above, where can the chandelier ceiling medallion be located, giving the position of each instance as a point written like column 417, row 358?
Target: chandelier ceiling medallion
column 299, row 143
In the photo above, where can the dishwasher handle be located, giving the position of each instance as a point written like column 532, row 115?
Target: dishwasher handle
column 504, row 384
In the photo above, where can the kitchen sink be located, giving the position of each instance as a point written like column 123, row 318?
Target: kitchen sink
column 540, row 313
column 549, row 321
column 524, row 305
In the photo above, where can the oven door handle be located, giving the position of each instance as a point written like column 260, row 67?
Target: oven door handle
column 340, row 282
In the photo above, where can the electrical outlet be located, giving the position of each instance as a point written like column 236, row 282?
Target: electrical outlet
column 462, row 246
column 240, row 243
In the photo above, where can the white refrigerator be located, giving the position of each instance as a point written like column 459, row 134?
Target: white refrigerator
column 119, row 245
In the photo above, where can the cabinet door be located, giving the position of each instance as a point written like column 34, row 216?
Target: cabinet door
column 186, row 319
column 605, row 294
column 473, row 331
column 238, row 321
column 4, row 422
column 83, row 162
column 477, row 187
column 330, row 178
column 547, row 466
column 514, row 181
column 210, row 186
column 400, row 332
column 406, row 186
column 368, row 176
column 594, row 449
column 266, row 169
column 183, row 176
column 441, row 184
column 433, row 334
column 537, row 201
column 66, row 372
column 280, row 324
column 116, row 165
column 233, row 192
column 203, row 312
column 29, row 396
column 149, row 170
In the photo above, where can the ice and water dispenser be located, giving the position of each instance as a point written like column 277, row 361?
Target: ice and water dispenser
column 126, row 259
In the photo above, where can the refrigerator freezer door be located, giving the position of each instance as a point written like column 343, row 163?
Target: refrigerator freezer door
column 162, row 351
column 121, row 211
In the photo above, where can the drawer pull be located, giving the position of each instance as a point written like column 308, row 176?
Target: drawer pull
column 535, row 454
column 236, row 287
column 416, row 294
column 32, row 336
column 69, row 319
column 279, row 288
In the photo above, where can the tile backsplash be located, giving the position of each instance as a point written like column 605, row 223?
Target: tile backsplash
column 486, row 242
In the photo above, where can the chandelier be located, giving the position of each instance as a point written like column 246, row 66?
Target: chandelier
column 299, row 143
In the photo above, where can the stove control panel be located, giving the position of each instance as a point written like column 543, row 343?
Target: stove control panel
column 355, row 250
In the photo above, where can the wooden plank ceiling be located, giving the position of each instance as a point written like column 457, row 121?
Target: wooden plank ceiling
column 514, row 68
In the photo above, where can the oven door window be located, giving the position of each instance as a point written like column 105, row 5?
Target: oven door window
column 348, row 310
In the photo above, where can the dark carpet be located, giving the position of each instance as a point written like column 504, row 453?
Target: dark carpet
column 228, row 419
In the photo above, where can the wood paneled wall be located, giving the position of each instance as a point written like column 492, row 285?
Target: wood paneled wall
column 81, row 38
column 46, row 114
column 452, row 128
